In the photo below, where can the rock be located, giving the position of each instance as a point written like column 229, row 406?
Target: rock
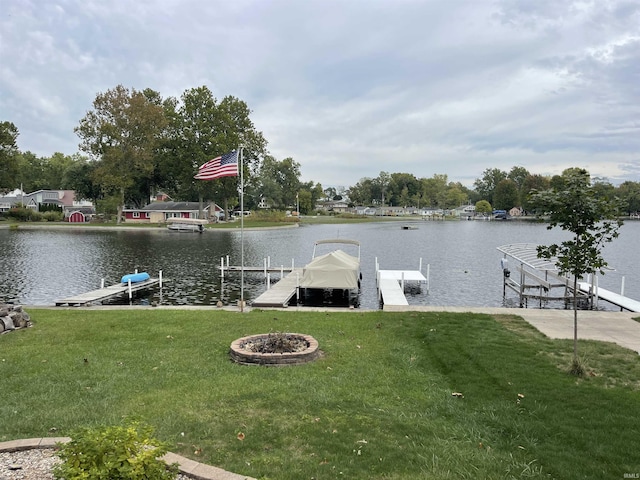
column 13, row 317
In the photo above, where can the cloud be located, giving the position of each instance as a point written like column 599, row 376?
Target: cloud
column 347, row 88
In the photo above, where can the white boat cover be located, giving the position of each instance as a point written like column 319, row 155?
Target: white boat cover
column 335, row 269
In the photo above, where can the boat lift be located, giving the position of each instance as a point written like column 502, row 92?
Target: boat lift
column 535, row 278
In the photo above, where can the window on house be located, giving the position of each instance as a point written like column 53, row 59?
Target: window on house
column 136, row 214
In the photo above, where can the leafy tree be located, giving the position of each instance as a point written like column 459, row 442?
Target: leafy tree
column 380, row 186
column 483, row 207
column 486, row 185
column 433, row 189
column 124, row 130
column 533, row 182
column 518, row 175
column 201, row 128
column 305, row 201
column 505, row 195
column 79, row 177
column 361, row 192
column 8, row 156
column 575, row 207
column 629, row 193
column 402, row 186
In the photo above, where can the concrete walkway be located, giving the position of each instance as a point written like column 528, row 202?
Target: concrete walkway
column 606, row 326
column 191, row 468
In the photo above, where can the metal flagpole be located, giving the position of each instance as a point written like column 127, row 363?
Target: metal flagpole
column 241, row 233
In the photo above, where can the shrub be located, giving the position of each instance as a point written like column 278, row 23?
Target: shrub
column 113, row 453
column 24, row 214
column 53, row 216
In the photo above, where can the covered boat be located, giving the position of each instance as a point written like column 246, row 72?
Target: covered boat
column 333, row 277
column 177, row 224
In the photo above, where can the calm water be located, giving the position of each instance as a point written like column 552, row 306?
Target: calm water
column 39, row 267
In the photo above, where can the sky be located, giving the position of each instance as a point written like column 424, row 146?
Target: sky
column 350, row 88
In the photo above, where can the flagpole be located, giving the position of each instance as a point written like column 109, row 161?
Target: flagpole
column 241, row 232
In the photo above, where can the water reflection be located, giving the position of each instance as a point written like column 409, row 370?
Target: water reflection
column 42, row 266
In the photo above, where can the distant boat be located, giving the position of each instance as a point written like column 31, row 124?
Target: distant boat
column 409, row 227
column 186, row 224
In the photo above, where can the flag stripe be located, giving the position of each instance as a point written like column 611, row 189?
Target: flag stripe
column 223, row 166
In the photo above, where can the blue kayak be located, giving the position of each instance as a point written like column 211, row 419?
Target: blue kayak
column 135, row 277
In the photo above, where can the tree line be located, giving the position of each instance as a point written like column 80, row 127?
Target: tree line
column 136, row 143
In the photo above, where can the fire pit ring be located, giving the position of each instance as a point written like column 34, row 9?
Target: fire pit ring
column 247, row 350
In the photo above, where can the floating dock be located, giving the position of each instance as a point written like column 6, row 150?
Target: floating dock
column 107, row 293
column 391, row 284
column 279, row 294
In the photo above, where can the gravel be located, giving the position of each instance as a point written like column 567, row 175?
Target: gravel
column 34, row 464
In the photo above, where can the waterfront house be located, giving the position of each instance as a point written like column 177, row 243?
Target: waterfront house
column 160, row 212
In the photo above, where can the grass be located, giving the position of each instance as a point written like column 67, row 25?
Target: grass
column 378, row 405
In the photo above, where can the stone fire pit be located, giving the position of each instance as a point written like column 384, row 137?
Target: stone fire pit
column 275, row 349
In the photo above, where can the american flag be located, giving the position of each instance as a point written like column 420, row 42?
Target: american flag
column 224, row 166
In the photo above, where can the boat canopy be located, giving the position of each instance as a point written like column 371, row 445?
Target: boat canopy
column 186, row 221
column 527, row 254
column 335, row 269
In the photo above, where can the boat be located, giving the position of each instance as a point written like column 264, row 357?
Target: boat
column 332, row 278
column 135, row 277
column 177, row 224
column 408, row 226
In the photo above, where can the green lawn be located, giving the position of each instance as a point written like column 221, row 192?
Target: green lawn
column 378, row 405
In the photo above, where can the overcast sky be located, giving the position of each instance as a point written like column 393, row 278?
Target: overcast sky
column 350, row 88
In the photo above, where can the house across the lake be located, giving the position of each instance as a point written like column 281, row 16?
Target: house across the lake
column 160, row 212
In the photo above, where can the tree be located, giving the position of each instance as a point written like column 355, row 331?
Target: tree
column 124, row 130
column 575, row 207
column 8, row 156
column 505, row 195
column 629, row 193
column 483, row 207
column 486, row 185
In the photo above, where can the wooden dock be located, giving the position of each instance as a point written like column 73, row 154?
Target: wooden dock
column 106, row 293
column 280, row 293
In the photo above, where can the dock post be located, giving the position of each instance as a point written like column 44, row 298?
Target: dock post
column 268, row 281
column 293, row 264
column 130, row 292
column 281, row 272
column 428, row 281
column 222, row 268
column 622, row 287
column 265, row 268
column 420, row 267
column 402, row 281
column 102, row 283
column 160, row 277
column 298, row 287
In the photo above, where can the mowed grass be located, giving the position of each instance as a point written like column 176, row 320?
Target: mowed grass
column 377, row 405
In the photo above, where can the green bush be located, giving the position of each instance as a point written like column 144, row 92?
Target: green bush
column 24, row 214
column 113, row 453
column 53, row 216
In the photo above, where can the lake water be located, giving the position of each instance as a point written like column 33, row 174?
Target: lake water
column 40, row 266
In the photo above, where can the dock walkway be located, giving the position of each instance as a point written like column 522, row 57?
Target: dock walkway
column 621, row 301
column 391, row 285
column 281, row 292
column 106, row 293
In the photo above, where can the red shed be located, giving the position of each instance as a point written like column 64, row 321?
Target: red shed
column 76, row 217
